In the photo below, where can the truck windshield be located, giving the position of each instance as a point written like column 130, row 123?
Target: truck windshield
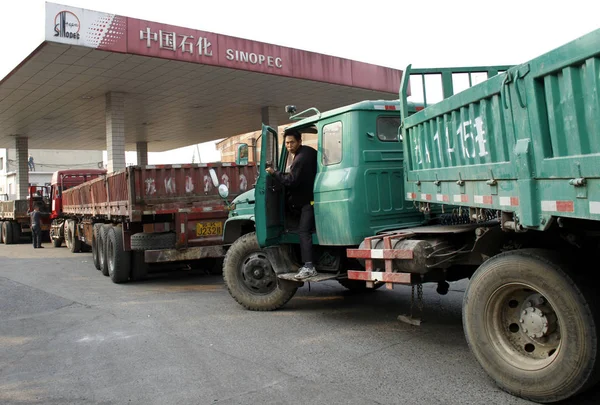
column 387, row 128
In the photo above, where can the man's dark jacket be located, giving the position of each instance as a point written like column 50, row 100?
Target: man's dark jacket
column 299, row 182
column 36, row 219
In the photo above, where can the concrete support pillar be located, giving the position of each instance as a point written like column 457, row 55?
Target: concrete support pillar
column 22, row 183
column 142, row 153
column 115, row 131
column 269, row 117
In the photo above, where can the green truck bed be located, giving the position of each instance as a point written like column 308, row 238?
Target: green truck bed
column 526, row 140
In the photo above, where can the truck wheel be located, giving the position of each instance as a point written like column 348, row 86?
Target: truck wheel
column 119, row 260
column 67, row 234
column 1, row 231
column 75, row 242
column 7, row 231
column 95, row 246
column 103, row 237
column 530, row 326
column 57, row 242
column 250, row 278
column 139, row 267
column 357, row 285
column 16, row 232
column 153, row 241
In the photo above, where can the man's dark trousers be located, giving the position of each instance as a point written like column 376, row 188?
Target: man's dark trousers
column 36, row 236
column 305, row 228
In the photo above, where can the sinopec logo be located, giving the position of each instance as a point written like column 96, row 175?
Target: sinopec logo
column 66, row 25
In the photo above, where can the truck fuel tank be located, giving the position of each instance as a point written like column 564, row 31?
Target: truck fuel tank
column 424, row 251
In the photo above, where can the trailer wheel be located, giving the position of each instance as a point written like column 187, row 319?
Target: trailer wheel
column 75, row 245
column 1, row 231
column 250, row 278
column 16, row 232
column 103, row 237
column 95, row 245
column 531, row 326
column 153, row 241
column 7, row 231
column 119, row 260
column 139, row 267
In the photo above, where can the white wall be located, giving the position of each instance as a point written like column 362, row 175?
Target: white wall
column 46, row 162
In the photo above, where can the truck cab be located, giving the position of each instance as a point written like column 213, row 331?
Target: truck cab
column 357, row 192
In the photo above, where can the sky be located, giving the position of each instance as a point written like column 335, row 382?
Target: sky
column 436, row 33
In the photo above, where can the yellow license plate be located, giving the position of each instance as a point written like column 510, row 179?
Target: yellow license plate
column 209, row 228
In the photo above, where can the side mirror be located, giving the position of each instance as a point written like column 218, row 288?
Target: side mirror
column 241, row 157
column 213, row 177
column 290, row 109
column 223, row 191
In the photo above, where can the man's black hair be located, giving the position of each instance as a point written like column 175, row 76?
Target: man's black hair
column 295, row 134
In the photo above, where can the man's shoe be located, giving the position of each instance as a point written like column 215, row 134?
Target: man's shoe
column 40, row 247
column 305, row 272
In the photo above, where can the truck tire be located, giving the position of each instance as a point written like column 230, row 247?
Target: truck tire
column 72, row 232
column 66, row 233
column 95, row 247
column 104, row 230
column 139, row 267
column 153, row 241
column 7, row 232
column 57, row 242
column 118, row 260
column 16, row 232
column 250, row 279
column 531, row 326
column 1, row 231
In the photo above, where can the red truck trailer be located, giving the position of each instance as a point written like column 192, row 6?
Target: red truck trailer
column 63, row 180
column 151, row 214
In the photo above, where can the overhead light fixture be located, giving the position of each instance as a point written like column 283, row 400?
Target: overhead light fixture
column 87, row 97
column 197, row 106
column 146, row 123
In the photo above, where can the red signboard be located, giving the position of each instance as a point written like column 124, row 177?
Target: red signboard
column 115, row 33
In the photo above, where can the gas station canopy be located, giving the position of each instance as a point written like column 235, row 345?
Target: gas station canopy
column 181, row 86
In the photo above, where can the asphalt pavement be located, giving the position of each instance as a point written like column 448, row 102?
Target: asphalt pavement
column 68, row 335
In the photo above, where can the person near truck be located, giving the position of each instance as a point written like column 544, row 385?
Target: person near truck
column 36, row 226
column 299, row 183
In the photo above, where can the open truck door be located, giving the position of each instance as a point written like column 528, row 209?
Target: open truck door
column 268, row 208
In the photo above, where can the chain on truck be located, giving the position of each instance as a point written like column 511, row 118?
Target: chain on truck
column 498, row 184
column 146, row 216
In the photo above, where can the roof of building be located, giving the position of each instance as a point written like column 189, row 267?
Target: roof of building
column 182, row 86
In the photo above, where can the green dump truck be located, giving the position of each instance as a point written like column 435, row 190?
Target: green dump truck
column 498, row 184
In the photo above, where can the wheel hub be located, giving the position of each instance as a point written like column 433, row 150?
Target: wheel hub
column 524, row 326
column 533, row 322
column 257, row 274
column 537, row 318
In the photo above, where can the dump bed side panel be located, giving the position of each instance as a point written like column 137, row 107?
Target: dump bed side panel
column 465, row 136
column 162, row 189
column 13, row 209
column 526, row 141
column 165, row 186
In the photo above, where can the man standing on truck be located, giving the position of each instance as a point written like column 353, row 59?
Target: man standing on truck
column 299, row 183
column 36, row 226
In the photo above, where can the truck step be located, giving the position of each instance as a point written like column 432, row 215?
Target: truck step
column 315, row 279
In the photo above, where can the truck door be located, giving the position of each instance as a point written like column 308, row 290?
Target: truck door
column 268, row 192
